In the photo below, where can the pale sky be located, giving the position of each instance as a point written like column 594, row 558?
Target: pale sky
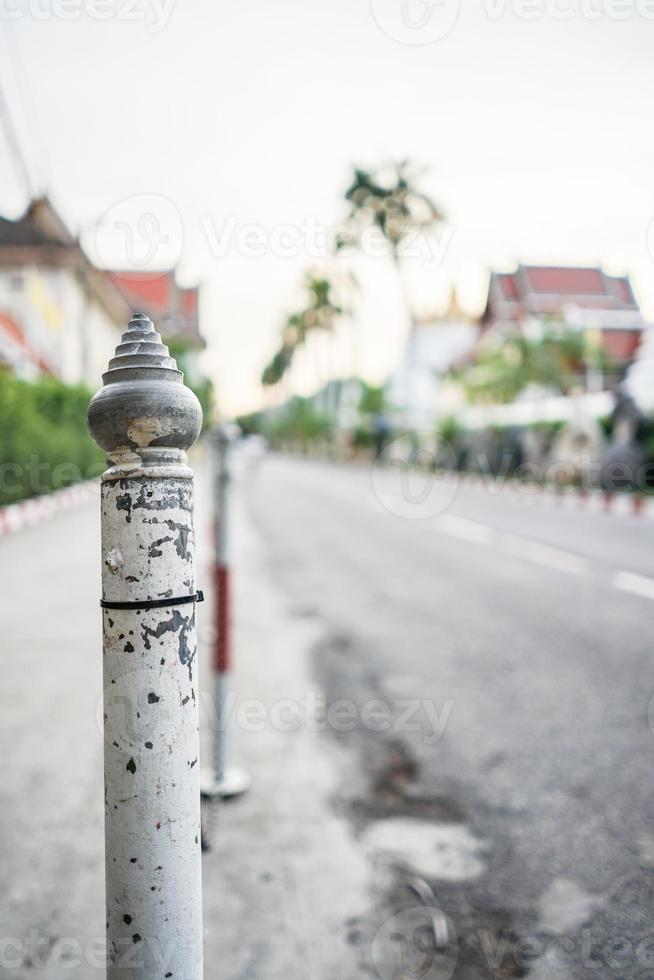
column 236, row 124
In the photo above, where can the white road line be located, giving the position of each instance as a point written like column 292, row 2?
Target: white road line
column 538, row 553
column 512, row 544
column 543, row 554
column 459, row 527
column 635, row 584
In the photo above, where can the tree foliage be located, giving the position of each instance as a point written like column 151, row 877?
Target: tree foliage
column 501, row 371
column 388, row 199
column 202, row 387
column 44, row 442
column 320, row 311
column 373, row 400
column 300, row 421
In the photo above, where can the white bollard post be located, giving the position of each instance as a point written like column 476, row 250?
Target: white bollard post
column 225, row 781
column 145, row 418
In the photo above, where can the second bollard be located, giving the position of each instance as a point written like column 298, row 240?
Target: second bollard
column 226, row 781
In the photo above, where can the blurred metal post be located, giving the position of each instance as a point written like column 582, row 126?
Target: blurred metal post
column 145, row 418
column 227, row 781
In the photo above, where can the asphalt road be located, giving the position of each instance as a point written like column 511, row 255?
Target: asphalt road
column 507, row 647
column 487, row 666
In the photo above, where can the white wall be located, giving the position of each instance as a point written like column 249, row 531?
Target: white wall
column 70, row 330
column 416, row 386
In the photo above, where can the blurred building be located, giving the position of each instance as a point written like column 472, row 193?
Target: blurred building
column 339, row 400
column 173, row 308
column 419, row 385
column 586, row 299
column 639, row 382
column 59, row 314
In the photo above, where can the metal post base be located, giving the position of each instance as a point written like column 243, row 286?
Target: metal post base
column 235, row 782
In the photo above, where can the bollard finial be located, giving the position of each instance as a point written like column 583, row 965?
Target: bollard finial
column 144, row 404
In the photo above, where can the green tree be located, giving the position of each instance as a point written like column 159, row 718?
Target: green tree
column 203, row 387
column 390, row 200
column 501, row 371
column 278, row 365
column 320, row 311
column 44, row 442
column 298, row 421
column 372, row 401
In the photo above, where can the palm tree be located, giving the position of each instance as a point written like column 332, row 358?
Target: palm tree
column 278, row 366
column 319, row 316
column 320, row 313
column 322, row 310
column 388, row 199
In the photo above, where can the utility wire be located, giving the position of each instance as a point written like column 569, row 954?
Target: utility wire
column 14, row 146
column 35, row 149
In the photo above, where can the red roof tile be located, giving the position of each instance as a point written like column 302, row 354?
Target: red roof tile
column 150, row 289
column 550, row 290
column 12, row 329
column 508, row 285
column 624, row 289
column 175, row 310
column 190, row 299
column 579, row 282
column 621, row 345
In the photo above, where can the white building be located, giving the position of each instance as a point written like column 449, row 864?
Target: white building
column 59, row 315
column 640, row 377
column 418, row 388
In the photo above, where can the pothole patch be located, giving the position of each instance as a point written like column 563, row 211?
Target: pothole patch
column 396, row 791
column 439, row 851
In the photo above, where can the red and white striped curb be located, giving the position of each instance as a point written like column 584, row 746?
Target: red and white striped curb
column 633, row 504
column 25, row 513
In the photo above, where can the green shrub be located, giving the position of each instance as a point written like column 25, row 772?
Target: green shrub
column 449, row 429
column 298, row 421
column 362, row 438
column 202, row 387
column 373, row 400
column 44, row 442
column 252, row 424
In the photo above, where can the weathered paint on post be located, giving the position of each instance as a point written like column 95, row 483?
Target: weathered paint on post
column 144, row 417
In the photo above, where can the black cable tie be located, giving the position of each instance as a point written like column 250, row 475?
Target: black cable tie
column 154, row 603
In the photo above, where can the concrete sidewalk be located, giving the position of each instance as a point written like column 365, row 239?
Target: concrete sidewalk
column 285, row 878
